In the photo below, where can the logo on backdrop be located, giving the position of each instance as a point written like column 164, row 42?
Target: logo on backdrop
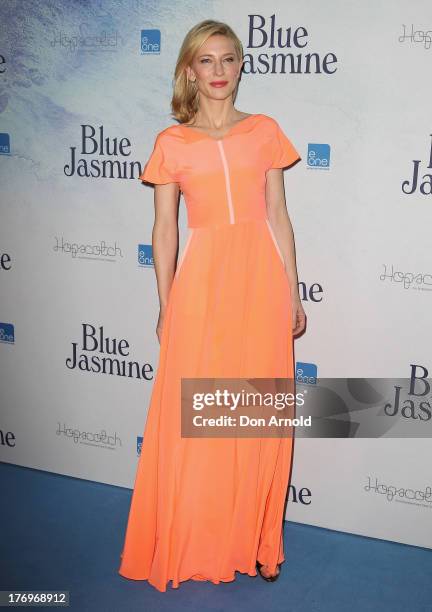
column 308, row 295
column 145, row 256
column 418, row 37
column 392, row 492
column 414, row 402
column 90, row 438
column 299, row 496
column 97, row 353
column 281, row 50
column 88, row 38
column 150, row 42
column 2, row 64
column 424, row 184
column 7, row 333
column 7, row 438
column 4, row 144
column 101, row 156
column 306, row 373
column 139, row 445
column 408, row 280
column 88, row 250
column 318, row 156
column 5, row 261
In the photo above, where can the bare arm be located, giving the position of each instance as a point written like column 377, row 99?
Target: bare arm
column 282, row 228
column 281, row 223
column 165, row 241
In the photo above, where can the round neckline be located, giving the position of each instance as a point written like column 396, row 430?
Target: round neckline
column 228, row 133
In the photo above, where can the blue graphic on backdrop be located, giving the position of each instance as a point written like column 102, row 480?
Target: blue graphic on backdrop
column 7, row 333
column 150, row 42
column 145, row 256
column 4, row 144
column 306, row 373
column 139, row 445
column 318, row 156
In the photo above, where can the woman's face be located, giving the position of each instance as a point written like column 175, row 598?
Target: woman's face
column 216, row 67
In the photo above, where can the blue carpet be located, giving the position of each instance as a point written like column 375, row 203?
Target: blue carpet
column 67, row 533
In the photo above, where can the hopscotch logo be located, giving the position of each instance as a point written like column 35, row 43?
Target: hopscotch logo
column 88, row 437
column 98, row 249
column 400, row 493
column 306, row 373
column 421, row 281
column 420, row 37
column 150, row 42
column 318, row 156
column 139, row 445
column 4, row 144
column 88, row 38
column 145, row 256
column 7, row 333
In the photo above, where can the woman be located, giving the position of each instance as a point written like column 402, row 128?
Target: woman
column 203, row 509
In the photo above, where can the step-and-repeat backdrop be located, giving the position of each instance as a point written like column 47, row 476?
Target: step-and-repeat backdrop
column 83, row 92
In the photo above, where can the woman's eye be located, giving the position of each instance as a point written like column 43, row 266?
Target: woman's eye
column 206, row 59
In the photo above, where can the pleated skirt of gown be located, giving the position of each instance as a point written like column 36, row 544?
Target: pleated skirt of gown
column 204, row 508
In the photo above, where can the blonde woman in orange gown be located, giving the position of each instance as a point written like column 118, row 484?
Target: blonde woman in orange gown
column 204, row 508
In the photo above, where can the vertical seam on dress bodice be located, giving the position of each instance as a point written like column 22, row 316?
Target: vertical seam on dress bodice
column 227, row 180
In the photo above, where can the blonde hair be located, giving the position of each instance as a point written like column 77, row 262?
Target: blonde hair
column 184, row 102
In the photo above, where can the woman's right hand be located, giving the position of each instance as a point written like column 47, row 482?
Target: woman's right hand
column 160, row 325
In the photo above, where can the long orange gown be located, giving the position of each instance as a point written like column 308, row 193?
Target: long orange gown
column 204, row 508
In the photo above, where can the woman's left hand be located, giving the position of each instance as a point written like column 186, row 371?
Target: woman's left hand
column 298, row 316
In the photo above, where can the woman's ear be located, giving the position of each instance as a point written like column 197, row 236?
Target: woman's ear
column 190, row 74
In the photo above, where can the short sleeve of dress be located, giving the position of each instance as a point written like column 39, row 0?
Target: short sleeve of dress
column 158, row 168
column 283, row 151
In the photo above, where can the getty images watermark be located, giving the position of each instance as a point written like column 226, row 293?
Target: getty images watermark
column 283, row 407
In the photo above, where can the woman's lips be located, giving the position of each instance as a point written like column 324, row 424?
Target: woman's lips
column 218, row 83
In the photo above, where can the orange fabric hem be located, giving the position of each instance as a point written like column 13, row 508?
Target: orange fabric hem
column 198, row 578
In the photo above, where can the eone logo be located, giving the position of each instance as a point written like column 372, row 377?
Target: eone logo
column 7, row 333
column 145, row 256
column 318, row 156
column 150, row 42
column 306, row 373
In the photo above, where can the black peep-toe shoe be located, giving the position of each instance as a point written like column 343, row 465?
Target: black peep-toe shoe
column 268, row 578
